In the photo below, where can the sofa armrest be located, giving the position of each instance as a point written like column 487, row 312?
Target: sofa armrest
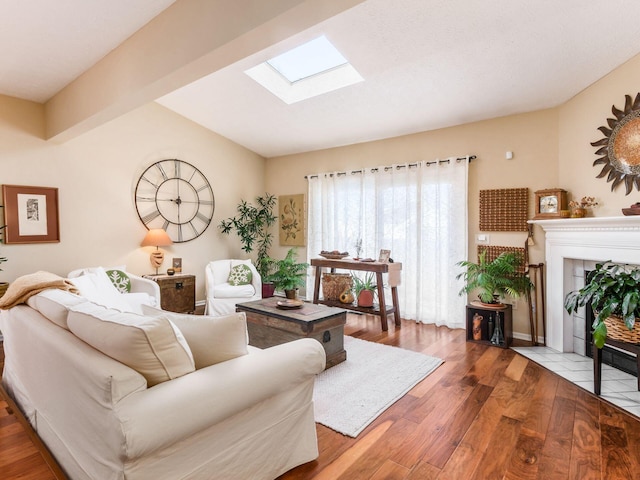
column 194, row 402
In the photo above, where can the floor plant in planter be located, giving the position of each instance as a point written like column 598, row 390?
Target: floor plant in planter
column 612, row 290
column 252, row 224
column 494, row 279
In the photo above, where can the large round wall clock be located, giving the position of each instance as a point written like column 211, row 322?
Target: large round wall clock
column 174, row 195
column 620, row 147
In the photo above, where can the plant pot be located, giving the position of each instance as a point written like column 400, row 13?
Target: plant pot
column 365, row 299
column 291, row 294
column 578, row 212
column 617, row 330
column 268, row 289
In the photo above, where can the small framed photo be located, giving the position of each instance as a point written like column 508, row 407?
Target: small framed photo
column 176, row 264
column 30, row 214
column 384, row 256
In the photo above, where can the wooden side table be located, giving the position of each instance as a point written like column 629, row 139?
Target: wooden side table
column 487, row 321
column 177, row 292
column 393, row 269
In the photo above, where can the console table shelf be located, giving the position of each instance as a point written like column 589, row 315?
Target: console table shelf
column 488, row 316
column 392, row 269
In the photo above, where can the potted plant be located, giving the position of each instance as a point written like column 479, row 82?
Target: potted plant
column 288, row 274
column 495, row 279
column 365, row 289
column 612, row 292
column 579, row 207
column 252, row 225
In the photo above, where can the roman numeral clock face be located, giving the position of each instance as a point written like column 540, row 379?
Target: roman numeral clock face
column 176, row 196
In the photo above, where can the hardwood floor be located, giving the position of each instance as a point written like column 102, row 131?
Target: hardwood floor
column 486, row 413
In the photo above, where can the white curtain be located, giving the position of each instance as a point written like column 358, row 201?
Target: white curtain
column 419, row 212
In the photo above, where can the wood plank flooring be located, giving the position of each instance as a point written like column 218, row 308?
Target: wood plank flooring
column 486, row 413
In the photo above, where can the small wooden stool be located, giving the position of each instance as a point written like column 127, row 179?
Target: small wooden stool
column 597, row 361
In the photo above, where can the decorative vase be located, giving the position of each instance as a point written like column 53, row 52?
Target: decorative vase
column 497, row 338
column 346, row 296
column 578, row 212
column 365, row 299
column 477, row 327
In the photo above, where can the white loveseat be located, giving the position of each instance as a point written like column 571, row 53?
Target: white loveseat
column 227, row 410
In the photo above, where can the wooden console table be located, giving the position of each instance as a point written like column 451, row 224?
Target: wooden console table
column 393, row 269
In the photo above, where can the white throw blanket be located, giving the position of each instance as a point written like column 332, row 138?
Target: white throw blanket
column 28, row 285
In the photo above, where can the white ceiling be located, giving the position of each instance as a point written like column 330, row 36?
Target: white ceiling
column 427, row 64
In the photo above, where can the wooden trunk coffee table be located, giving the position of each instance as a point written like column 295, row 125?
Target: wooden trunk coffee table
column 269, row 325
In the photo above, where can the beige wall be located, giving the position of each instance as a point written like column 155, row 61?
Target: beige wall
column 96, row 175
column 579, row 122
column 532, row 137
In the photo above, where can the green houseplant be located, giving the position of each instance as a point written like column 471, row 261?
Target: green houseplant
column 364, row 289
column 287, row 274
column 496, row 278
column 612, row 292
column 252, row 225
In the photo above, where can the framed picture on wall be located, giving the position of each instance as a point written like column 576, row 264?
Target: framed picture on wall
column 291, row 213
column 30, row 214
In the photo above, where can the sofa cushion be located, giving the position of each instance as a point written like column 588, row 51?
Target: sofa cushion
column 96, row 287
column 211, row 339
column 120, row 280
column 54, row 304
column 240, row 275
column 152, row 346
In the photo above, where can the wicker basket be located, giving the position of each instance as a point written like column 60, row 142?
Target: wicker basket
column 617, row 330
column 333, row 284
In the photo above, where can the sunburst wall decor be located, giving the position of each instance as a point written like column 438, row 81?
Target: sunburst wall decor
column 620, row 147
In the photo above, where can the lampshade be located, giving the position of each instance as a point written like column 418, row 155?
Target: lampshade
column 156, row 237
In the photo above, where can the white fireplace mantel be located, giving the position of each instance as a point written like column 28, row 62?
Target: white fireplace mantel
column 594, row 239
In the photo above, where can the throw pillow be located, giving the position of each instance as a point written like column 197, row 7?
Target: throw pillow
column 120, row 280
column 211, row 339
column 154, row 347
column 240, row 275
column 54, row 304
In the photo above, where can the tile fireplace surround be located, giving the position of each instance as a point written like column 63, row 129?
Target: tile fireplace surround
column 572, row 246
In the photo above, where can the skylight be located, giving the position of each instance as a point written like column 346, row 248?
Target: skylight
column 308, row 59
column 311, row 69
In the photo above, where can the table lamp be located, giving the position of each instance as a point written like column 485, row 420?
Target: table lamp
column 159, row 238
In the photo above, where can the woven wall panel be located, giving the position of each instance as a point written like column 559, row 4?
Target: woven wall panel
column 504, row 210
column 494, row 250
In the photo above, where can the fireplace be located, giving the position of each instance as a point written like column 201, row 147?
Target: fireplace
column 572, row 246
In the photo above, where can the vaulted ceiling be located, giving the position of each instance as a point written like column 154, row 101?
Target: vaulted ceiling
column 427, row 64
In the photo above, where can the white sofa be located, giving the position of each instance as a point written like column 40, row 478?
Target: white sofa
column 247, row 415
column 222, row 297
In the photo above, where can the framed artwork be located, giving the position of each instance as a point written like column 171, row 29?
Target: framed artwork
column 292, row 220
column 176, row 264
column 384, row 256
column 30, row 214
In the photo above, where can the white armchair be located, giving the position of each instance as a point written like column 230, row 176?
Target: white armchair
column 95, row 285
column 222, row 297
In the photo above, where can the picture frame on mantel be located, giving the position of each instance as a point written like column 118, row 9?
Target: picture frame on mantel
column 30, row 214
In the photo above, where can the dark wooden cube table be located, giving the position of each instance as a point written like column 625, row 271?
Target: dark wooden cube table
column 269, row 325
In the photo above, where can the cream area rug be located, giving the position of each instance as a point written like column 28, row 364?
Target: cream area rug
column 351, row 395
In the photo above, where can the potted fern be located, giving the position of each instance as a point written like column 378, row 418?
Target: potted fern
column 612, row 290
column 494, row 279
column 287, row 274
